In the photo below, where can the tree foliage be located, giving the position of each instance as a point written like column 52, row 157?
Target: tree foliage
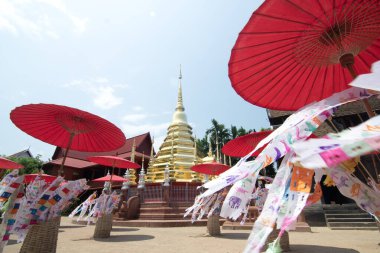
column 31, row 164
column 219, row 133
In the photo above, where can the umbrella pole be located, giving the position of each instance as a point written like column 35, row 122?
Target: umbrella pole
column 347, row 61
column 60, row 172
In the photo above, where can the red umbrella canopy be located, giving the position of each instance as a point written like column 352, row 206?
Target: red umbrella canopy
column 28, row 178
column 213, row 168
column 114, row 161
column 293, row 52
column 115, row 178
column 68, row 127
column 242, row 145
column 9, row 165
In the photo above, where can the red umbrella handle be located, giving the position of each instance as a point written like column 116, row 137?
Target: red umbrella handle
column 347, row 61
column 61, row 172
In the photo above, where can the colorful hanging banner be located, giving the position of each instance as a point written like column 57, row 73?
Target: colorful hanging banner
column 334, row 149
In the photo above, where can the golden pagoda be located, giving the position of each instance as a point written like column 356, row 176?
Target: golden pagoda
column 178, row 150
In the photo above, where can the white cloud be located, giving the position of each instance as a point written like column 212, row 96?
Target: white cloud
column 138, row 123
column 38, row 18
column 137, row 108
column 134, row 117
column 102, row 92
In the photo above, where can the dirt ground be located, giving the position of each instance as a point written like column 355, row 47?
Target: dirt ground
column 77, row 238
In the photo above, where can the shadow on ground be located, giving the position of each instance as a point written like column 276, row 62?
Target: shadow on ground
column 77, row 226
column 235, row 236
column 232, row 236
column 11, row 242
column 123, row 229
column 320, row 249
column 119, row 238
column 125, row 238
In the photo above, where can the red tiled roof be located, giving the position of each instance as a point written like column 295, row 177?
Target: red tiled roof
column 143, row 142
column 72, row 162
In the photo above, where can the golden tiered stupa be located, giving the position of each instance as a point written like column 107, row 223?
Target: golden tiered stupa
column 178, row 151
column 133, row 171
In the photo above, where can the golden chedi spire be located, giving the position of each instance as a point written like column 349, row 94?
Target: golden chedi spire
column 132, row 172
column 177, row 150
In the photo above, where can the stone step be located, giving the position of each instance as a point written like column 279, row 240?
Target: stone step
column 154, row 204
column 159, row 223
column 349, row 211
column 165, row 204
column 352, row 224
column 160, row 216
column 355, row 228
column 340, row 207
column 349, row 220
column 162, row 210
column 348, row 215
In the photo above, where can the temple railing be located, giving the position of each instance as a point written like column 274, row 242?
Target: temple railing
column 177, row 192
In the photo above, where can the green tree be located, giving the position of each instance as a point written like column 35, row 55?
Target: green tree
column 202, row 146
column 31, row 164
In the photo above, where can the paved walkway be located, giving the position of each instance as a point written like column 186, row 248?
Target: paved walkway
column 77, row 238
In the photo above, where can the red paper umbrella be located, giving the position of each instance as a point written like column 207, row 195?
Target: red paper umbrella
column 243, row 145
column 28, row 178
column 115, row 178
column 114, row 161
column 8, row 164
column 213, row 168
column 68, row 127
column 294, row 52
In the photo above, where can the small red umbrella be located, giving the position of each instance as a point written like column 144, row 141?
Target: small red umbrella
column 213, row 168
column 115, row 178
column 68, row 128
column 9, row 165
column 113, row 161
column 28, row 178
column 292, row 52
column 243, row 145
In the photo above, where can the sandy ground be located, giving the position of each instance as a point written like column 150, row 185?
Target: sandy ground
column 77, row 238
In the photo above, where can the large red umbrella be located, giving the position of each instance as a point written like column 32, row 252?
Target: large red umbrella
column 213, row 168
column 68, row 128
column 8, row 164
column 293, row 52
column 243, row 145
column 28, row 178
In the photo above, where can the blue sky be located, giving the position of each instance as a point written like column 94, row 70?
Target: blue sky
column 120, row 60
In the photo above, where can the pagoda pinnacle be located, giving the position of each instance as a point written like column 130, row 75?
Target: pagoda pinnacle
column 180, row 100
column 179, row 115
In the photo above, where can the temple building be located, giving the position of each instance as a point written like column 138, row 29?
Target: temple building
column 77, row 166
column 178, row 151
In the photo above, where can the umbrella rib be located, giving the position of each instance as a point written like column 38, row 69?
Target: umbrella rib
column 269, row 83
column 299, row 91
column 266, row 43
column 256, row 55
column 313, row 83
column 280, row 79
column 305, row 11
column 283, row 19
column 262, row 69
column 277, row 32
